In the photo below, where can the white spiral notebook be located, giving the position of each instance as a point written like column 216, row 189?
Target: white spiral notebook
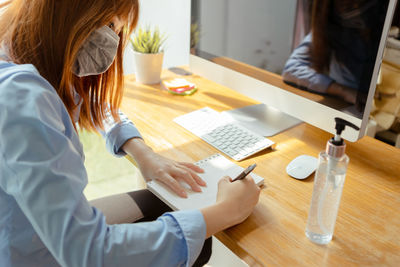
column 215, row 167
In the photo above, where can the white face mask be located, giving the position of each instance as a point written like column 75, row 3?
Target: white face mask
column 97, row 53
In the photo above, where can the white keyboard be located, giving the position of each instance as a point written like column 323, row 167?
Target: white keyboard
column 223, row 133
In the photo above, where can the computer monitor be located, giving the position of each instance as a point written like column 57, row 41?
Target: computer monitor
column 248, row 45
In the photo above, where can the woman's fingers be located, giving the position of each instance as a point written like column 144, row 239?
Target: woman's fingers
column 192, row 166
column 193, row 172
column 173, row 185
column 183, row 174
column 182, row 171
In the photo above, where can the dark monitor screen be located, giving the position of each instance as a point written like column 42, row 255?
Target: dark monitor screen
column 323, row 50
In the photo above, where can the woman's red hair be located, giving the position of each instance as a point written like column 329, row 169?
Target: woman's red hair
column 48, row 35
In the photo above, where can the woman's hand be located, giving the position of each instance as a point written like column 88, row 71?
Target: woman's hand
column 169, row 172
column 346, row 93
column 235, row 202
column 240, row 196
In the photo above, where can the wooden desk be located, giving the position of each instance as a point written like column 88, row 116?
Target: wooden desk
column 367, row 230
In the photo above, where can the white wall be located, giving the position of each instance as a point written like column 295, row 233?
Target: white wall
column 258, row 32
column 173, row 18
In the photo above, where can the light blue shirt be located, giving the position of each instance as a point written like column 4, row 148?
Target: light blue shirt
column 299, row 72
column 45, row 219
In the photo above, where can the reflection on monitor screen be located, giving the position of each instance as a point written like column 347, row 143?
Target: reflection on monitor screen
column 325, row 52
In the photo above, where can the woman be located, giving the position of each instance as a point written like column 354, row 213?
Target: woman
column 62, row 64
column 338, row 56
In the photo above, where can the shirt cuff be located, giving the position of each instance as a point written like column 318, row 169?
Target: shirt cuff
column 193, row 227
column 118, row 135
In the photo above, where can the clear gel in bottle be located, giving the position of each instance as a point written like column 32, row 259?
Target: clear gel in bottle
column 328, row 185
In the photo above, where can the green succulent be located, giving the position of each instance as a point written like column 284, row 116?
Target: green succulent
column 148, row 41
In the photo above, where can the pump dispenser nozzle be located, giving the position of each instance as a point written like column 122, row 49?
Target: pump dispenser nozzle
column 341, row 124
column 336, row 147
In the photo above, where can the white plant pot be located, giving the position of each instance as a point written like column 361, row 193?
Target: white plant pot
column 148, row 67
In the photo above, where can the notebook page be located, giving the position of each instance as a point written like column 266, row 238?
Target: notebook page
column 215, row 167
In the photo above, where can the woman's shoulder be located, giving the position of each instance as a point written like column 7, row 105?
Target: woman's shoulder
column 9, row 69
column 10, row 72
column 22, row 83
column 26, row 95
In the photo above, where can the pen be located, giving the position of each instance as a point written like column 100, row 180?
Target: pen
column 245, row 172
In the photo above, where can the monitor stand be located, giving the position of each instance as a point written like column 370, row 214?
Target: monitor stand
column 262, row 119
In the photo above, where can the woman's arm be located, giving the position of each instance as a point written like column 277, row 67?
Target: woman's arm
column 167, row 171
column 123, row 138
column 298, row 70
column 41, row 169
column 117, row 133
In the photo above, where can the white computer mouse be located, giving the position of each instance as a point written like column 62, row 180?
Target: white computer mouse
column 302, row 166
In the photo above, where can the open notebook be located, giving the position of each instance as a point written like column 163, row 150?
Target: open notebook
column 215, row 167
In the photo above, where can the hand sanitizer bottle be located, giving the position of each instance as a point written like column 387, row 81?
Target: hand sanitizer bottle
column 328, row 185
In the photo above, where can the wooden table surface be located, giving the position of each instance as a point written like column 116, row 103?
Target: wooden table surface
column 367, row 231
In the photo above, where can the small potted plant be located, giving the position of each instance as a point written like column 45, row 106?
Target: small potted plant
column 148, row 52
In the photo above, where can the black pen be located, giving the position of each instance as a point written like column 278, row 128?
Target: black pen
column 245, row 172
